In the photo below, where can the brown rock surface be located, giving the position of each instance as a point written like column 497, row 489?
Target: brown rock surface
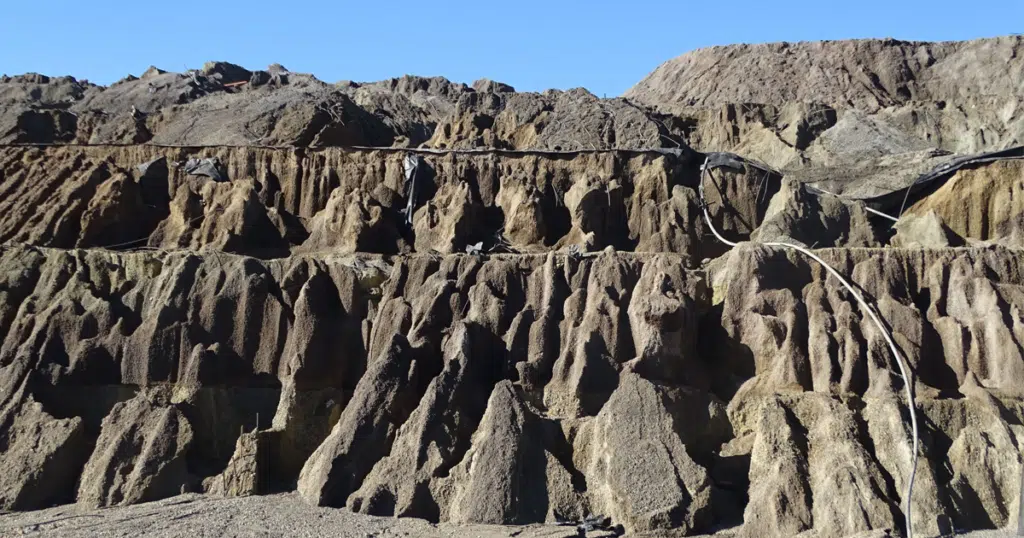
column 547, row 333
column 139, row 455
column 981, row 203
column 41, row 458
column 408, row 439
column 640, row 471
column 864, row 73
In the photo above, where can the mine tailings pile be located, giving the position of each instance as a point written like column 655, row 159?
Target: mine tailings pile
column 417, row 298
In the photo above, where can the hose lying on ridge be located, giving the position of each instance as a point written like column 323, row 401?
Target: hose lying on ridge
column 704, row 169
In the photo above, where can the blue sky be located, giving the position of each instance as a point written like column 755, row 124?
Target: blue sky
column 533, row 45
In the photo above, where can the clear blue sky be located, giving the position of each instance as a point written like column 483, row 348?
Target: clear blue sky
column 602, row 45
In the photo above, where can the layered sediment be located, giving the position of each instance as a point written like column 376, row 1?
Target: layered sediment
column 516, row 312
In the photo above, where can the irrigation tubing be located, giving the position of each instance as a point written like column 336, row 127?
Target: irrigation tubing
column 908, row 513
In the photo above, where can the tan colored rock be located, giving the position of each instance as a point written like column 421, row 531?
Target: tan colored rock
column 985, row 463
column 924, row 231
column 407, row 481
column 555, row 120
column 503, row 477
column 352, row 222
column 738, row 198
column 486, row 85
column 640, row 472
column 580, row 364
column 795, row 215
column 797, row 329
column 83, row 202
column 868, row 73
column 41, row 458
column 602, row 372
column 585, row 372
column 523, row 208
column 663, row 317
column 891, row 437
column 848, row 487
column 140, row 454
column 118, row 214
column 248, row 472
column 981, row 203
column 780, row 495
column 447, row 223
column 383, row 399
column 224, row 216
column 595, row 208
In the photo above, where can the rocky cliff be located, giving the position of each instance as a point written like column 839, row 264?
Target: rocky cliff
column 473, row 305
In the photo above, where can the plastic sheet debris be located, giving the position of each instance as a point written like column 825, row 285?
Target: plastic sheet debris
column 412, row 164
column 589, row 523
column 892, row 204
column 157, row 167
column 210, row 167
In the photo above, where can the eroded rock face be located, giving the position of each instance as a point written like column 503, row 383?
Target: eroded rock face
column 799, row 217
column 925, row 231
column 41, row 458
column 445, row 222
column 789, row 330
column 139, row 456
column 277, row 202
column 900, row 71
column 485, row 368
column 222, row 216
column 553, row 120
column 247, row 473
column 866, row 114
column 738, row 197
column 504, row 477
column 551, row 335
column 779, row 505
column 354, row 222
column 420, row 385
column 980, row 203
column 640, row 472
column 824, row 366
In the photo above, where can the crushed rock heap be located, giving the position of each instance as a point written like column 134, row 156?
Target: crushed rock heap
column 468, row 304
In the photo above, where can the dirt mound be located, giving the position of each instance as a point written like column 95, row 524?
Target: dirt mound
column 866, row 74
column 824, row 108
column 225, row 104
column 554, row 120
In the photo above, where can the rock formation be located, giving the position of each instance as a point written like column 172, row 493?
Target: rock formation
column 230, row 281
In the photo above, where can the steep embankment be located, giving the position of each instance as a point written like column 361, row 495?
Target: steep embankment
column 617, row 384
column 866, row 74
column 516, row 313
column 841, row 103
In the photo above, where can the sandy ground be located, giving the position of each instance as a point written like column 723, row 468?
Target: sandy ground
column 199, row 516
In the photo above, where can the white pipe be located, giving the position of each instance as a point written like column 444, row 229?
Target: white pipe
column 880, row 214
column 874, row 317
column 866, row 206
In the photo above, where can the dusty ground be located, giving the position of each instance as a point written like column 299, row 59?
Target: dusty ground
column 198, row 516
